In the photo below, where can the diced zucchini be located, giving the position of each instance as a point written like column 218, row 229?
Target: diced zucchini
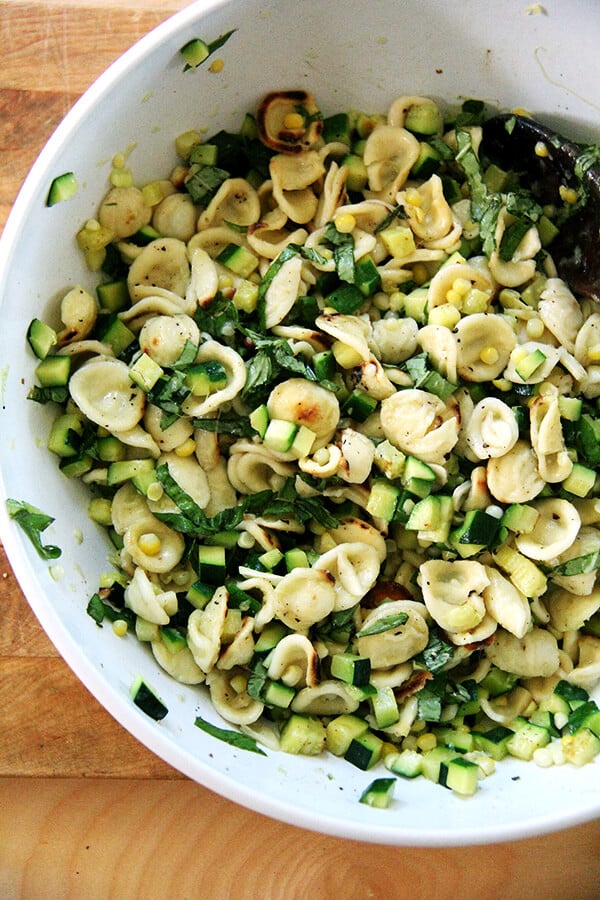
column 385, row 707
column 530, row 364
column 206, row 378
column 383, row 499
column 144, row 697
column 431, row 517
column 277, row 694
column 259, row 419
column 99, row 510
column 359, row 405
column 366, row 276
column 110, row 448
column 399, row 240
column 432, row 760
column 127, row 469
column 364, row 751
column 580, row 748
column 585, row 716
column 461, row 775
column 379, row 793
column 53, row 371
column 271, row 558
column 280, row 435
column 358, row 176
column 350, row 668
column 588, row 439
column 245, row 296
column 498, row 682
column 195, row 52
column 389, row 460
column 116, row 333
column 144, row 236
column 200, row 593
column 145, row 372
column 204, row 154
column 455, row 738
column 296, row 558
column 342, row 730
column 526, row 740
column 580, row 481
column 428, row 161
column 570, row 408
column 41, row 338
column 113, row 296
column 211, row 564
column 270, row 636
column 65, row 435
column 63, row 187
column 238, row 259
column 146, row 631
column 423, row 118
column 415, row 304
column 523, row 573
column 76, row 466
column 323, row 364
column 303, row 735
column 407, row 763
column 173, row 639
column 520, row 518
column 478, row 528
column 337, row 129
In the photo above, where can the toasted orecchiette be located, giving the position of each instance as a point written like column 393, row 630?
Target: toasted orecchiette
column 349, row 330
column 569, row 612
column 374, row 380
column 153, row 545
column 406, row 634
column 353, row 530
column 453, row 592
column 189, row 475
column 492, row 429
column 427, row 210
column 234, row 704
column 394, row 339
column 554, row 461
column 555, row 530
column 104, row 392
column 330, row 698
column 354, row 568
column 78, row 313
column 204, row 278
column 123, row 211
column 587, row 543
column 272, row 121
column 560, row 312
column 358, row 452
column 240, row 650
column 304, row 597
column 236, row 201
column 389, row 155
column 164, row 337
column 181, row 665
column 204, row 630
column 283, row 291
column 485, row 342
column 457, row 275
column 515, row 477
column 306, row 403
column 175, row 216
column 294, row 661
column 536, row 653
column 419, row 423
column 144, row 600
column 166, row 438
column 293, row 179
column 252, row 468
column 163, row 263
column 506, row 604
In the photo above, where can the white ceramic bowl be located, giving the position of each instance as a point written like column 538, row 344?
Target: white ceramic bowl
column 351, row 54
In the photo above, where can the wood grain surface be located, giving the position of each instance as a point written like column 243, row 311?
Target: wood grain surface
column 85, row 810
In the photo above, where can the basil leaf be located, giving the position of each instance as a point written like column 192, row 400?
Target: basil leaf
column 235, row 738
column 384, row 624
column 512, row 237
column 237, row 426
column 430, row 700
column 33, row 522
column 346, row 299
column 203, row 182
column 579, row 565
column 396, row 213
column 436, row 654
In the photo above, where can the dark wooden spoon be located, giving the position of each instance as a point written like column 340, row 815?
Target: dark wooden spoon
column 510, row 142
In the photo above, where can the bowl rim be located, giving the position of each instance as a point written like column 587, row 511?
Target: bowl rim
column 15, row 546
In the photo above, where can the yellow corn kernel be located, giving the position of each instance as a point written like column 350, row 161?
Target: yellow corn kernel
column 502, row 384
column 489, row 355
column 121, row 178
column 387, row 749
column 541, row 150
column 216, row 66
column 427, row 741
column 345, row 356
column 293, row 121
column 155, row 491
column 119, row 627
column 397, row 301
column 345, row 223
column 593, row 353
column 519, row 111
column 152, row 193
column 119, row 160
column 446, row 315
column 569, row 195
column 419, row 273
column 187, row 448
column 534, row 328
column 149, row 543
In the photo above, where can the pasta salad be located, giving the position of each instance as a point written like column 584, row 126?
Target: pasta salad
column 338, row 414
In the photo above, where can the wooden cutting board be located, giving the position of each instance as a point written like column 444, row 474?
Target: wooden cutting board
column 85, row 810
